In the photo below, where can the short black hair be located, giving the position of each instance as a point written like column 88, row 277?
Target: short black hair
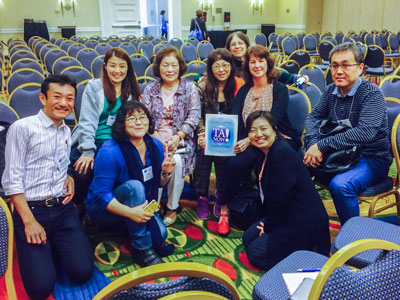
column 118, row 132
column 260, row 114
column 162, row 12
column 348, row 46
column 59, row 79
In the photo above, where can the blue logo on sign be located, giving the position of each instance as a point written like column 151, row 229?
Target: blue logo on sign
column 220, row 135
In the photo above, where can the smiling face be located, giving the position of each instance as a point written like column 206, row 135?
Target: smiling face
column 221, row 70
column 237, row 47
column 169, row 69
column 344, row 78
column 136, row 124
column 58, row 102
column 261, row 134
column 258, row 66
column 116, row 69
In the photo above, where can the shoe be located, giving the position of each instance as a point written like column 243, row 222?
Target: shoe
column 217, row 210
column 145, row 258
column 202, row 208
column 223, row 224
column 168, row 221
column 164, row 249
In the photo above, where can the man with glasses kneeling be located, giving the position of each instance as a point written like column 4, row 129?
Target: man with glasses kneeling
column 358, row 106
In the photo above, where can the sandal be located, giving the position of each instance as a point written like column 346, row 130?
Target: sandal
column 168, row 221
column 223, row 224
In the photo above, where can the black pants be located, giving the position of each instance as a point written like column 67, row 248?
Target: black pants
column 66, row 245
column 164, row 33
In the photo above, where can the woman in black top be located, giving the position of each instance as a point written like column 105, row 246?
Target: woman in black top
column 201, row 22
column 293, row 216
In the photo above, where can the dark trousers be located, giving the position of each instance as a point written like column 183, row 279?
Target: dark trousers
column 202, row 171
column 66, row 245
column 164, row 33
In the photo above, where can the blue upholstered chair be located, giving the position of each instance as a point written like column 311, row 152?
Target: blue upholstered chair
column 315, row 75
column 390, row 86
column 140, row 63
column 86, row 56
column 177, row 43
column 188, row 52
column 301, row 57
column 25, row 99
column 203, row 49
column 298, row 108
column 195, row 276
column 290, row 66
column 377, row 281
column 128, row 47
column 64, row 62
column 78, row 73
column 146, row 48
column 96, row 66
column 197, row 66
column 22, row 76
column 261, row 39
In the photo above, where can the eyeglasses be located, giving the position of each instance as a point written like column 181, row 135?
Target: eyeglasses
column 224, row 66
column 133, row 120
column 345, row 67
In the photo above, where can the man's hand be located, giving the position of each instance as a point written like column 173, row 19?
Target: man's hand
column 313, row 156
column 35, row 233
column 69, row 194
column 139, row 215
column 241, row 145
column 83, row 163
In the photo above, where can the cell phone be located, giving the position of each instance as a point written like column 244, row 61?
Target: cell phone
column 152, row 207
column 300, row 80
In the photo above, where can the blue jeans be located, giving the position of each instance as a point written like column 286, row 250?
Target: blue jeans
column 130, row 193
column 345, row 187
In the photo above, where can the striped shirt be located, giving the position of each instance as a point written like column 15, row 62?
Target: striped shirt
column 35, row 158
column 365, row 107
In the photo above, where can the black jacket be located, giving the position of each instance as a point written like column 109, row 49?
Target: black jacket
column 202, row 25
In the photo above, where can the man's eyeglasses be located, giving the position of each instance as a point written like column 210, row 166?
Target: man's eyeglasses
column 225, row 66
column 345, row 67
column 133, row 120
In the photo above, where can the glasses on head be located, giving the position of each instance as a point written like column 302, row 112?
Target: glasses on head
column 225, row 66
column 345, row 67
column 133, row 120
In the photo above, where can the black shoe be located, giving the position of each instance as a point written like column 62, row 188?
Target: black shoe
column 164, row 249
column 145, row 258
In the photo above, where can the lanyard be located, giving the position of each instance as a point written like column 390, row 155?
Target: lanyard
column 259, row 180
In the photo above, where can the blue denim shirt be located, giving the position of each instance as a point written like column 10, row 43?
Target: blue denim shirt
column 110, row 171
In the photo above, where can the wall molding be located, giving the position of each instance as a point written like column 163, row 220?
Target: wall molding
column 290, row 26
column 51, row 30
column 252, row 26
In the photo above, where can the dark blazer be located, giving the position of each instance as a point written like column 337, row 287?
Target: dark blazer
column 278, row 110
column 202, row 25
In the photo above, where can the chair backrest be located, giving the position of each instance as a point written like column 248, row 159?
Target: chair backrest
column 193, row 41
column 374, row 56
column 91, row 43
column 188, row 52
column 96, row 66
column 203, row 49
column 177, row 43
column 390, row 86
column 86, row 57
column 22, row 76
column 146, row 48
column 196, row 66
column 313, row 93
column 114, row 43
column 369, row 39
column 298, row 109
column 78, row 73
column 144, row 81
column 82, row 40
column 103, row 39
column 25, row 100
column 74, row 49
column 26, row 63
column 260, row 39
column 301, row 57
column 21, row 54
column 51, row 56
column 158, row 47
column 7, row 113
column 80, row 87
column 315, row 75
column 130, row 37
column 339, row 37
column 63, row 62
column 381, row 41
column 65, row 44
column 288, row 46
column 273, row 40
column 140, row 63
column 310, row 42
column 43, row 51
column 194, row 295
column 290, row 66
column 393, row 41
column 6, row 249
column 128, row 47
column 102, row 48
column 324, row 48
column 16, row 48
column 149, row 71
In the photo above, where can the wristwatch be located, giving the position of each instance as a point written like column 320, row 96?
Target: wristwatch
column 165, row 174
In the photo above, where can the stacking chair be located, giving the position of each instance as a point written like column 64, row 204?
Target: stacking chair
column 324, row 49
column 339, row 37
column 123, row 40
column 39, row 45
column 193, row 41
column 140, row 63
column 188, row 52
column 113, row 37
column 86, row 57
column 310, row 44
column 21, row 54
column 146, row 48
column 261, row 39
column 91, row 43
column 177, row 43
column 78, row 73
column 390, row 86
column 335, row 280
column 315, row 75
column 273, row 42
column 130, row 37
column 312, row 91
column 74, row 38
column 59, row 42
column 381, row 41
column 301, row 57
column 74, row 49
column 103, row 39
column 43, row 51
column 22, row 76
column 97, row 65
column 298, row 108
column 144, row 81
column 114, row 43
column 63, row 62
column 290, row 66
column 25, row 99
column 374, row 60
column 190, row 76
column 203, row 49
column 26, row 63
column 197, row 66
column 102, row 48
column 158, row 47
column 149, row 71
column 80, row 87
column 65, row 44
column 194, row 276
column 156, row 40
column 51, row 56
column 128, row 47
column 393, row 46
column 7, row 113
column 136, row 42
column 6, row 250
column 82, row 40
column 16, row 48
column 369, row 39
column 148, row 37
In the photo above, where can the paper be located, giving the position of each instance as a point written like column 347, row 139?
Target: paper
column 221, row 134
column 293, row 280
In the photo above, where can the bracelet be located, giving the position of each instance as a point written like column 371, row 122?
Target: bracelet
column 165, row 174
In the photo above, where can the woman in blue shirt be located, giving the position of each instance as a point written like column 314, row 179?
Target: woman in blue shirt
column 163, row 22
column 128, row 170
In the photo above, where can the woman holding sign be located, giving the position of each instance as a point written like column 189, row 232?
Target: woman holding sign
column 216, row 95
column 293, row 216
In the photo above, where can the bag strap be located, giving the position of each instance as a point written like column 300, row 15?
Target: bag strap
column 198, row 26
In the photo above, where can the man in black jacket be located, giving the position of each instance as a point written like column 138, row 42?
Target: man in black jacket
column 201, row 22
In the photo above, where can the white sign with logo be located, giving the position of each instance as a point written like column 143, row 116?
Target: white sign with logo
column 221, row 134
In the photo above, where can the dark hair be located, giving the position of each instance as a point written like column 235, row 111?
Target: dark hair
column 129, row 84
column 118, row 132
column 358, row 55
column 260, row 52
column 162, row 12
column 165, row 52
column 199, row 13
column 59, row 79
column 211, row 89
column 240, row 35
column 260, row 114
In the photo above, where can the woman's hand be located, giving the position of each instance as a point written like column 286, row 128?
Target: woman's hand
column 241, row 145
column 83, row 163
column 201, row 139
column 139, row 215
column 261, row 228
column 173, row 143
column 168, row 164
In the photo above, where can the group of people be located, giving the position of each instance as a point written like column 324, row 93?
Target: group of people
column 126, row 147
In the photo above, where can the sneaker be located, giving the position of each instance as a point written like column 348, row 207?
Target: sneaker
column 217, row 210
column 223, row 224
column 145, row 258
column 202, row 208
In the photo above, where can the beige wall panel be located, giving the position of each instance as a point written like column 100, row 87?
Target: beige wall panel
column 371, row 15
column 391, row 19
column 313, row 15
column 330, row 16
column 349, row 14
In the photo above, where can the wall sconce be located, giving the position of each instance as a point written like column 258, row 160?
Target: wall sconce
column 206, row 5
column 257, row 5
column 67, row 6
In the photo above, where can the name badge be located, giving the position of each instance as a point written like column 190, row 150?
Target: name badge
column 147, row 173
column 63, row 163
column 110, row 120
